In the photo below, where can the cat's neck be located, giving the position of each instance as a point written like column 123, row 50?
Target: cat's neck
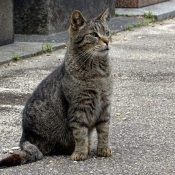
column 82, row 67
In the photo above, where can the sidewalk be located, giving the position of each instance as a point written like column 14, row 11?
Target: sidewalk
column 29, row 45
column 160, row 11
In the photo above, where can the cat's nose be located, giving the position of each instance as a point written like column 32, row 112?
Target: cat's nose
column 105, row 40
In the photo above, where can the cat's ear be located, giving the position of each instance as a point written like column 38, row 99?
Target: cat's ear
column 77, row 20
column 103, row 16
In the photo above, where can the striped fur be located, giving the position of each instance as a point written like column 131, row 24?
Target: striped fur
column 72, row 101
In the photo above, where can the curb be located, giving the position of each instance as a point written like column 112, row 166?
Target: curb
column 30, row 55
column 165, row 15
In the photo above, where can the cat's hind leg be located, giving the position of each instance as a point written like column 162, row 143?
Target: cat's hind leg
column 28, row 153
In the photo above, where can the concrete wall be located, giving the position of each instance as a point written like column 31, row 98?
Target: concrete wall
column 6, row 22
column 53, row 16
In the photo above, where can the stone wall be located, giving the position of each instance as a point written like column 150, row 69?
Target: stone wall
column 6, row 22
column 53, row 16
column 135, row 3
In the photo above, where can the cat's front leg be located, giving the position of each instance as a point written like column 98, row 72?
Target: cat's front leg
column 80, row 134
column 103, row 148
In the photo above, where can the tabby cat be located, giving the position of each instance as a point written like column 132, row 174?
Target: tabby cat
column 72, row 101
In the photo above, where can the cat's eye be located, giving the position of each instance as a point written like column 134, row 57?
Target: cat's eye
column 94, row 34
column 107, row 33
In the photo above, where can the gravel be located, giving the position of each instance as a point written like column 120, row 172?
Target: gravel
column 143, row 106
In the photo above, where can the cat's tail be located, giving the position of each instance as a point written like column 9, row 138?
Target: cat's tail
column 28, row 153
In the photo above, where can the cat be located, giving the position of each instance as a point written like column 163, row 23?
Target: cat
column 65, row 108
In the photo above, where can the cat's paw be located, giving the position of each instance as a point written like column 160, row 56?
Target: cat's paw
column 104, row 152
column 78, row 156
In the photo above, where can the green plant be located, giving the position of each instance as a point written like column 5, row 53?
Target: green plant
column 35, row 54
column 149, row 18
column 148, row 21
column 15, row 57
column 116, row 14
column 149, row 15
column 129, row 27
column 46, row 47
column 138, row 24
column 127, row 15
column 112, row 32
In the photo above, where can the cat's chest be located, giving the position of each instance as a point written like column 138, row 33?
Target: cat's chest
column 94, row 90
column 92, row 93
column 90, row 97
column 100, row 86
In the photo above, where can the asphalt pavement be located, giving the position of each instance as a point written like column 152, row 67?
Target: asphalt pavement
column 142, row 133
column 26, row 46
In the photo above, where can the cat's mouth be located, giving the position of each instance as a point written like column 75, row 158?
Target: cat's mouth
column 105, row 49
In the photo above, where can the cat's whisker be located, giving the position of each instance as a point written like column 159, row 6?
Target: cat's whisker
column 91, row 56
column 90, row 62
column 97, row 46
column 80, row 57
column 82, row 54
column 84, row 62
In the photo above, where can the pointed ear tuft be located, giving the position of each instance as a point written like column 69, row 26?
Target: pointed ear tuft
column 103, row 16
column 77, row 20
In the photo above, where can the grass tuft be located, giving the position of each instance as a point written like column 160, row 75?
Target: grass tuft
column 15, row 57
column 47, row 47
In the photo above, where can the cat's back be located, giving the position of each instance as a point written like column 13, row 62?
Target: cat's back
column 47, row 101
column 51, row 84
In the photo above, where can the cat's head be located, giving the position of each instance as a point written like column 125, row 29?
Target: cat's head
column 90, row 36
